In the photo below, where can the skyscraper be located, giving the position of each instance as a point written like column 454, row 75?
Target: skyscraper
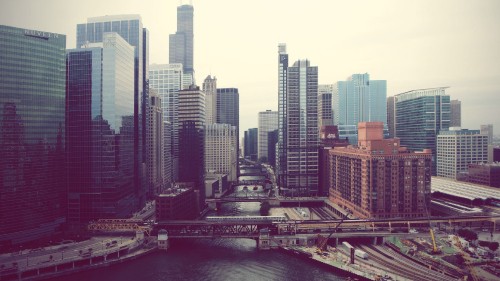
column 100, row 131
column 221, row 150
column 456, row 149
column 166, row 79
column 325, row 110
column 181, row 42
column 268, row 122
column 391, row 116
column 455, row 113
column 282, row 95
column 32, row 134
column 301, row 138
column 420, row 115
column 250, row 144
column 156, row 146
column 210, row 89
column 130, row 28
column 228, row 110
column 192, row 139
column 487, row 130
column 359, row 99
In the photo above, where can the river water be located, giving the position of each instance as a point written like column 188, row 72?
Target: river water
column 214, row 259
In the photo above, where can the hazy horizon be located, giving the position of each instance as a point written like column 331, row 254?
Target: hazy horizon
column 411, row 44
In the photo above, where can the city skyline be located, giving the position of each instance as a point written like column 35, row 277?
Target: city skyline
column 411, row 45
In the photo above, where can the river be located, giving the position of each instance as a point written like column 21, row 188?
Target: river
column 214, row 259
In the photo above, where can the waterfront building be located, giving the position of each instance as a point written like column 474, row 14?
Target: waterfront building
column 192, row 140
column 359, row 99
column 268, row 122
column 130, row 28
column 176, row 203
column 455, row 113
column 228, row 110
column 216, row 184
column 155, row 146
column 391, row 116
column 32, row 134
column 282, row 95
column 325, row 109
column 488, row 131
column 220, row 150
column 485, row 174
column 251, row 144
column 210, row 89
column 181, row 43
column 300, row 178
column 456, row 149
column 420, row 116
column 166, row 80
column 100, row 131
column 378, row 178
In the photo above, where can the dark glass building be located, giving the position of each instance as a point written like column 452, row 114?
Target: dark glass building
column 130, row 28
column 228, row 111
column 251, row 144
column 100, row 131
column 272, row 139
column 32, row 124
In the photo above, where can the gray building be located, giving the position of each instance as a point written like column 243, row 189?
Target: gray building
column 268, row 122
column 455, row 113
column 251, row 144
column 210, row 89
column 325, row 110
column 32, row 134
column 181, row 42
column 228, row 110
column 391, row 117
column 130, row 28
column 488, row 131
column 155, row 161
column 282, row 113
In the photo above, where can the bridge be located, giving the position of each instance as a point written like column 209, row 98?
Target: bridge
column 214, row 203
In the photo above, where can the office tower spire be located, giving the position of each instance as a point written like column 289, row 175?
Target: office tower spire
column 181, row 42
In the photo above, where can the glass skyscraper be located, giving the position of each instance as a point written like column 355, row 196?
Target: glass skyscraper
column 181, row 42
column 268, row 122
column 420, row 115
column 130, row 28
column 100, row 131
column 282, row 95
column 228, row 111
column 32, row 128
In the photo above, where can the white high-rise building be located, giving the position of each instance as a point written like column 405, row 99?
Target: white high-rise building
column 210, row 89
column 268, row 122
column 167, row 80
column 456, row 149
column 220, row 150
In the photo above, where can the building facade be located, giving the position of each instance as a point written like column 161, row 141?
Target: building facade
column 485, row 174
column 268, row 122
column 251, row 144
column 210, row 89
column 220, row 150
column 420, row 116
column 181, row 43
column 282, row 127
column 176, row 204
column 192, row 140
column 272, row 140
column 228, row 110
column 32, row 134
column 328, row 138
column 166, row 80
column 488, row 131
column 156, row 146
column 301, row 174
column 455, row 113
column 456, row 149
column 359, row 99
column 391, row 116
column 130, row 28
column 325, row 110
column 379, row 178
column 100, row 131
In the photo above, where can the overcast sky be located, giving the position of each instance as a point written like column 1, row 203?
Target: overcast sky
column 411, row 44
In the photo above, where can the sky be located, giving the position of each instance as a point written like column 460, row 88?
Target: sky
column 411, row 44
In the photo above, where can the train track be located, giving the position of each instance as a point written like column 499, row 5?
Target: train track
column 403, row 267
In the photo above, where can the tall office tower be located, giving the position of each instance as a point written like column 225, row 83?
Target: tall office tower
column 359, row 99
column 181, row 43
column 379, row 178
column 250, row 143
column 166, row 79
column 302, row 136
column 391, row 116
column 156, row 146
column 130, row 28
column 272, row 140
column 191, row 139
column 282, row 95
column 325, row 110
column 488, row 130
column 455, row 113
column 32, row 129
column 100, row 131
column 456, row 149
column 420, row 116
column 210, row 89
column 228, row 110
column 268, row 122
column 220, row 150
column 168, row 177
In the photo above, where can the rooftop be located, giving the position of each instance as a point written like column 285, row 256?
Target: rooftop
column 463, row 189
